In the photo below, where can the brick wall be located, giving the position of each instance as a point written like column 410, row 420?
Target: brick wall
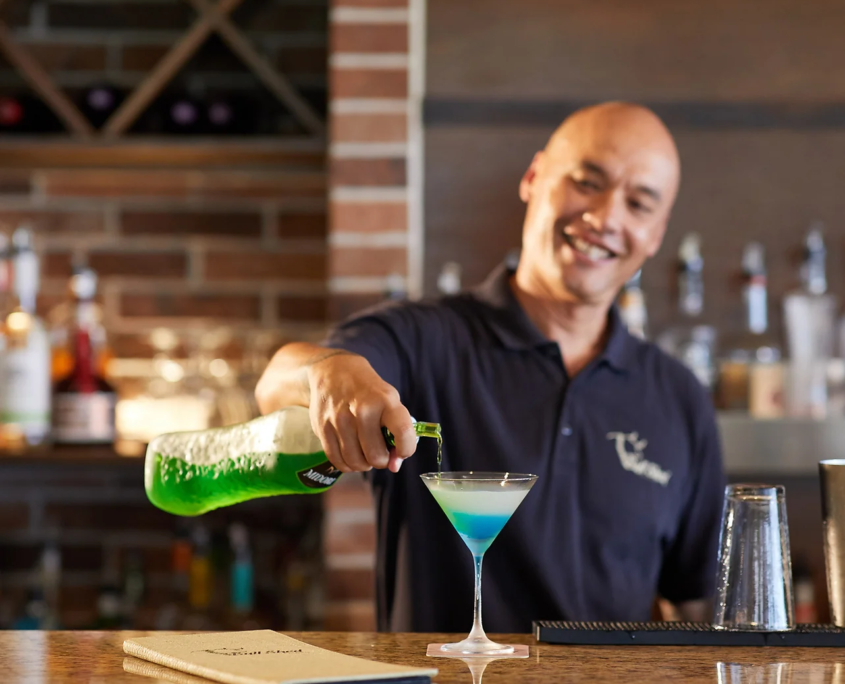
column 375, row 230
column 185, row 245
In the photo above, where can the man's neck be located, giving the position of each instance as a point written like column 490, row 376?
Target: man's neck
column 580, row 330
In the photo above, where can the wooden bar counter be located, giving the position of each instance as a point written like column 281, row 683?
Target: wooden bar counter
column 98, row 658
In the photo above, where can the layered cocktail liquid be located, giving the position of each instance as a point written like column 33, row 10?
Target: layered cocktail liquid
column 477, row 515
column 190, row 473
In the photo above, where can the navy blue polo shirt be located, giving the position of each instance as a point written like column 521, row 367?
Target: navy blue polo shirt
column 630, row 488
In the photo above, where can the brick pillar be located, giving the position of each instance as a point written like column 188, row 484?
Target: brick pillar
column 375, row 149
column 375, row 231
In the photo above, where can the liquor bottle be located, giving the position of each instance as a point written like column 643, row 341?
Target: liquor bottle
column 632, row 307
column 692, row 342
column 750, row 375
column 199, row 588
column 242, row 587
column 449, row 279
column 84, row 402
column 62, row 323
column 25, row 400
column 809, row 315
column 11, row 114
column 190, row 473
column 109, row 606
column 133, row 589
column 50, row 570
column 100, row 102
column 5, row 276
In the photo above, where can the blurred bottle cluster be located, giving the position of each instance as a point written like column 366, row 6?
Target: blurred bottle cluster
column 217, row 577
column 60, row 383
column 750, row 370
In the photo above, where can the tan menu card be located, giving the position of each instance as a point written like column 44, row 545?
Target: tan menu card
column 264, row 657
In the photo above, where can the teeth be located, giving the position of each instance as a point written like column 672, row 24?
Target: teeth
column 588, row 249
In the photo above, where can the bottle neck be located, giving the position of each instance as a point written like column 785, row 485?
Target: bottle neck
column 83, row 372
column 756, row 305
column 421, row 429
column 27, row 301
column 428, row 430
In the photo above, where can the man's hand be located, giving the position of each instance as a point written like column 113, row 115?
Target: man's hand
column 348, row 402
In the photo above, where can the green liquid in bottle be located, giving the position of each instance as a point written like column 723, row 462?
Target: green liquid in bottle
column 191, row 473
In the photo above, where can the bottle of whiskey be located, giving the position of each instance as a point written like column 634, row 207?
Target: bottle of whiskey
column 750, row 375
column 61, row 323
column 84, row 402
column 692, row 342
column 25, row 401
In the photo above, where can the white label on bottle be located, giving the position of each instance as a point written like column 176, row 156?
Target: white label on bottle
column 84, row 418
column 25, row 391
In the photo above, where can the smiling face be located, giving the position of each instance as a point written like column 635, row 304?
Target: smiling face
column 599, row 198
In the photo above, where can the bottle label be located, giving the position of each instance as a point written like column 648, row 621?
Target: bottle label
column 84, row 418
column 320, row 476
column 25, row 388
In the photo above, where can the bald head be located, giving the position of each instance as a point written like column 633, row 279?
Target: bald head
column 621, row 128
column 599, row 198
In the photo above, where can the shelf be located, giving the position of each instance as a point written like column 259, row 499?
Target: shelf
column 172, row 153
column 71, row 455
column 784, row 446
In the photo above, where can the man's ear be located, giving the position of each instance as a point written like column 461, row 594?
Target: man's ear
column 529, row 176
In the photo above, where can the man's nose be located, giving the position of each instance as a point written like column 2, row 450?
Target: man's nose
column 605, row 216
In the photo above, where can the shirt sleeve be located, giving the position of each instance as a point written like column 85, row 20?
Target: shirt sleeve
column 689, row 564
column 384, row 336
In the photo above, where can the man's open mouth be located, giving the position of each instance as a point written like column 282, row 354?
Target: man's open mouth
column 588, row 249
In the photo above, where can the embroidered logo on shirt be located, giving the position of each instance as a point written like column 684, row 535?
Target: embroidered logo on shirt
column 633, row 461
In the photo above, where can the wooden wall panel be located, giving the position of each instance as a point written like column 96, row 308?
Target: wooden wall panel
column 652, row 49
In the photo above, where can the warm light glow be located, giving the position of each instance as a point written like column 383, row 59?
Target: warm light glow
column 218, row 368
column 18, row 322
column 172, row 371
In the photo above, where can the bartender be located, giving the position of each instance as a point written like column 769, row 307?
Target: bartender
column 534, row 372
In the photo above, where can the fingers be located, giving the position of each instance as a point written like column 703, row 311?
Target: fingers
column 394, row 464
column 350, row 446
column 333, row 451
column 397, row 419
column 328, row 438
column 370, row 436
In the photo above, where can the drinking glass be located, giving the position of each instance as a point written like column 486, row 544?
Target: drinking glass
column 754, row 581
column 478, row 505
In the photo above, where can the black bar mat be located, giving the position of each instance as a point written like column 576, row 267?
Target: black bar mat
column 680, row 634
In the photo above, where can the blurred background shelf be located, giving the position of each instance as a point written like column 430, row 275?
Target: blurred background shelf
column 785, row 446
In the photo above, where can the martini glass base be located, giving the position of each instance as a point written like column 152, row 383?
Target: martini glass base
column 476, row 646
column 448, row 651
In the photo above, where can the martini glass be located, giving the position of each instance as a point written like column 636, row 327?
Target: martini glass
column 478, row 505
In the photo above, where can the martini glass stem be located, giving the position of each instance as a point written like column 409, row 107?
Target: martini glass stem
column 477, row 631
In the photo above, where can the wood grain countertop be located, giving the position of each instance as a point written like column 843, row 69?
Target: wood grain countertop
column 98, row 658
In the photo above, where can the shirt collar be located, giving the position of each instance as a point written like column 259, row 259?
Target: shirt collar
column 515, row 330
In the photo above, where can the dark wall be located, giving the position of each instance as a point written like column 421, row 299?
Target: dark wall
column 753, row 90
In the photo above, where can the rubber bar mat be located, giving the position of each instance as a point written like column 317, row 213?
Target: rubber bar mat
column 680, row 634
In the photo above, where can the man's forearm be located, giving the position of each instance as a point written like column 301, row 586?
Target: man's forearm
column 286, row 382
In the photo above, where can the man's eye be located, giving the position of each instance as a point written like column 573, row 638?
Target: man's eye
column 638, row 207
column 587, row 184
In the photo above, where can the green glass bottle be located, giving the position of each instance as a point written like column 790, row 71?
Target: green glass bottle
column 190, row 473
